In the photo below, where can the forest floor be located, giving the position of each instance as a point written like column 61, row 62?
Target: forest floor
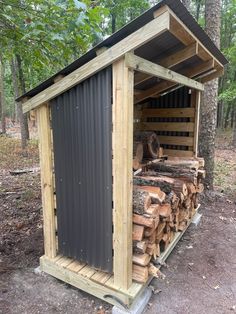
column 200, row 272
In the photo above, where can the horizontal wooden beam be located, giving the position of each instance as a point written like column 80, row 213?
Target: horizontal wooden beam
column 170, row 61
column 178, row 153
column 212, row 76
column 180, row 56
column 176, row 140
column 167, row 126
column 145, row 66
column 169, row 112
column 159, row 88
column 130, row 43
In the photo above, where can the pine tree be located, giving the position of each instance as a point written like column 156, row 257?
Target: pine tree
column 209, row 104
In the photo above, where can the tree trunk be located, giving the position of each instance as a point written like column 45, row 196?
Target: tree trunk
column 23, row 117
column 16, row 89
column 113, row 23
column 234, row 130
column 232, row 116
column 227, row 116
column 2, row 96
column 198, row 7
column 209, row 106
column 187, row 3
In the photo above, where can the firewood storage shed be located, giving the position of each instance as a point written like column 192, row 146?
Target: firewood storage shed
column 147, row 76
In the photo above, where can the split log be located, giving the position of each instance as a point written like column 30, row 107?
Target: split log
column 157, row 196
column 138, row 232
column 150, row 222
column 141, row 201
column 141, row 259
column 164, row 183
column 140, row 274
column 200, row 188
column 137, row 155
column 150, row 143
column 140, row 246
column 151, row 248
column 153, row 210
column 165, row 210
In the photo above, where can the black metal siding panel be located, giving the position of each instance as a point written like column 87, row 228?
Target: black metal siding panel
column 81, row 120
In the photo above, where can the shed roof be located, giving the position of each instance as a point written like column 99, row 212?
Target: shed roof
column 175, row 5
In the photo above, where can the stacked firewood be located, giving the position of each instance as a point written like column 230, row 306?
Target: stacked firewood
column 165, row 198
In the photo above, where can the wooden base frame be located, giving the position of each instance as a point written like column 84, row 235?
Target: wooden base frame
column 90, row 280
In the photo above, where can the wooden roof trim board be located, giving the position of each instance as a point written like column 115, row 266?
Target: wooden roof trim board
column 139, row 64
column 131, row 42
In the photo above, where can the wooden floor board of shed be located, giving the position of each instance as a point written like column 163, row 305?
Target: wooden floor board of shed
column 90, row 280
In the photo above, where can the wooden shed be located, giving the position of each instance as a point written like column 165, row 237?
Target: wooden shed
column 147, row 76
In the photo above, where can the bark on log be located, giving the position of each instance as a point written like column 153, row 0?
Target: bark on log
column 141, row 201
column 157, row 196
column 150, row 142
column 166, row 184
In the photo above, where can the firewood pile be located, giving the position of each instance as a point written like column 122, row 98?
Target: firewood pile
column 165, row 198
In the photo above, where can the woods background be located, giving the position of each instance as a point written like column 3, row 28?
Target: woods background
column 38, row 38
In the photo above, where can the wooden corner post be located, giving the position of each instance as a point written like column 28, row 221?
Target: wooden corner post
column 122, row 144
column 46, row 166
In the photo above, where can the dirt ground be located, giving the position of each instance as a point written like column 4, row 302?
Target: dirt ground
column 200, row 272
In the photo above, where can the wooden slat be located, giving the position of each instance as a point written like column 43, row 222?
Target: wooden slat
column 122, row 141
column 85, row 283
column 131, row 42
column 169, row 112
column 178, row 153
column 145, row 66
column 75, row 266
column 167, row 126
column 87, row 271
column 197, row 118
column 101, row 277
column 45, row 145
column 64, row 261
column 176, row 140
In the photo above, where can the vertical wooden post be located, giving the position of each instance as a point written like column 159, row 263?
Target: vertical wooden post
column 122, row 143
column 197, row 117
column 45, row 152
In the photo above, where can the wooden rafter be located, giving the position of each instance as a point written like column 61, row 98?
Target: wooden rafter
column 150, row 68
column 170, row 61
column 159, row 88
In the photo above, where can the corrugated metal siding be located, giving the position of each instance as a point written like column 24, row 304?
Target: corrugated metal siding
column 179, row 98
column 81, row 121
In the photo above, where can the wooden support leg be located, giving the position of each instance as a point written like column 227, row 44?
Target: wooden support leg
column 122, row 172
column 45, row 151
